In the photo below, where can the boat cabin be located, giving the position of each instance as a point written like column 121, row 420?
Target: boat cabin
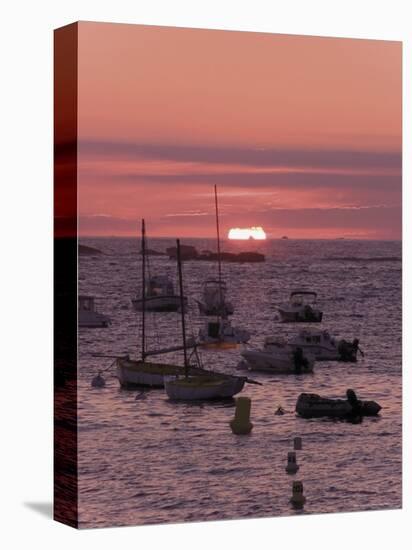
column 159, row 286
column 86, row 303
column 302, row 297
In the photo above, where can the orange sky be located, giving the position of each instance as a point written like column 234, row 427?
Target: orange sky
column 302, row 135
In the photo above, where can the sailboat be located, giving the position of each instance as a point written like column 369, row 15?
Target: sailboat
column 131, row 372
column 220, row 332
column 159, row 293
column 206, row 385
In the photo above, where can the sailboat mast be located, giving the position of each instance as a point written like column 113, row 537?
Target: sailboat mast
column 219, row 260
column 182, row 306
column 143, row 252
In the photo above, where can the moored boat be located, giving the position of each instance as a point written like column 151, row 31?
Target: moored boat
column 214, row 386
column 199, row 387
column 310, row 405
column 279, row 359
column 214, row 300
column 321, row 345
column 88, row 317
column 131, row 373
column 221, row 334
column 159, row 296
column 301, row 308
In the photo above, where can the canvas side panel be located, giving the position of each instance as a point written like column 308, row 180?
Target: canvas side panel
column 65, row 275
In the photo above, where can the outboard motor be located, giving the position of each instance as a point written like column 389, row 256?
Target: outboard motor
column 354, row 402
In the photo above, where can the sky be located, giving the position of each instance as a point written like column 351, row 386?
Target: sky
column 301, row 135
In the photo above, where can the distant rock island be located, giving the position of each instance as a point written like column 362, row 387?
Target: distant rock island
column 88, row 250
column 188, row 252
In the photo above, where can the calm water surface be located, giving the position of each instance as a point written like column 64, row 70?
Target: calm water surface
column 150, row 460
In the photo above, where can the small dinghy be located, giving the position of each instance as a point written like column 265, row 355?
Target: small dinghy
column 277, row 359
column 301, row 308
column 214, row 300
column 88, row 317
column 310, row 405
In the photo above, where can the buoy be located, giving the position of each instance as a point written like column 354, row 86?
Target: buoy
column 98, row 381
column 298, row 499
column 292, row 467
column 241, row 424
column 297, row 443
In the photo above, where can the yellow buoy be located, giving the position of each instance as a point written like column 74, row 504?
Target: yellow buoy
column 298, row 499
column 292, row 466
column 297, row 443
column 241, row 424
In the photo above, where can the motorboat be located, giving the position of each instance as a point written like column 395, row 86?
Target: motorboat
column 159, row 296
column 301, row 308
column 88, row 317
column 321, row 345
column 310, row 405
column 221, row 333
column 214, row 300
column 278, row 358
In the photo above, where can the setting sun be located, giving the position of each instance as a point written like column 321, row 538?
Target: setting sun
column 243, row 234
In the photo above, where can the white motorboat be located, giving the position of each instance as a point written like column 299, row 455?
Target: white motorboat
column 214, row 300
column 159, row 296
column 88, row 317
column 301, row 308
column 322, row 345
column 221, row 333
column 277, row 358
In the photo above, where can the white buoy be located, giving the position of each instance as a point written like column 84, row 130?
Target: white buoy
column 241, row 424
column 298, row 499
column 98, row 381
column 292, row 466
column 297, row 443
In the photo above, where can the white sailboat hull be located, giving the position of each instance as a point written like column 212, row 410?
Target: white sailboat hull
column 143, row 373
column 183, row 390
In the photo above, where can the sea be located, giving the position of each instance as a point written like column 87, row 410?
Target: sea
column 149, row 460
